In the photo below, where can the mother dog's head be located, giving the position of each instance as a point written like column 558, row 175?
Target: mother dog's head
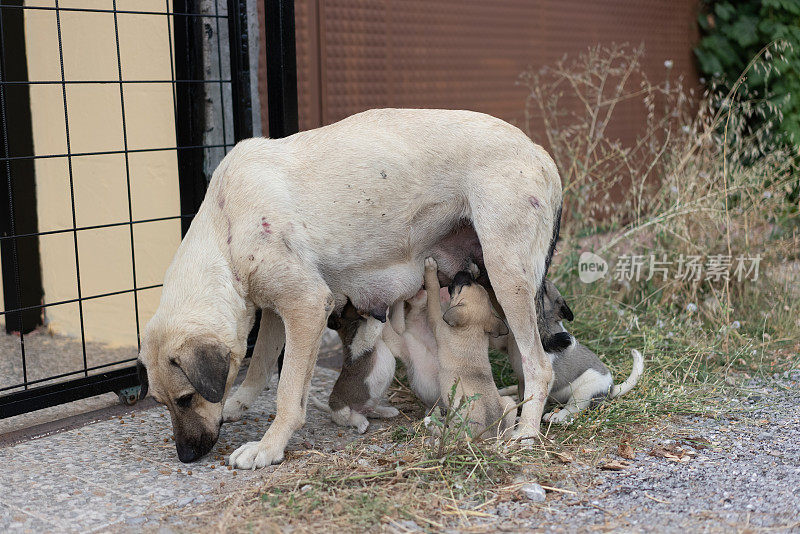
column 191, row 375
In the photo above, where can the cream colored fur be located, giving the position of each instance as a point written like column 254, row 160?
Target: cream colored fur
column 462, row 338
column 295, row 226
column 410, row 338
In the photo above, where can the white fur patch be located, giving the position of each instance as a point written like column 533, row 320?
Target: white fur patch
column 584, row 388
column 382, row 372
column 365, row 338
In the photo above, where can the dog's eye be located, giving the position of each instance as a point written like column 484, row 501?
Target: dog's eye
column 184, row 401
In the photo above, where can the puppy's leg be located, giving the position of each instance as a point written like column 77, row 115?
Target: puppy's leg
column 305, row 318
column 579, row 395
column 397, row 317
column 379, row 380
column 344, row 416
column 515, row 357
column 384, row 412
column 432, row 289
column 268, row 346
column 564, row 415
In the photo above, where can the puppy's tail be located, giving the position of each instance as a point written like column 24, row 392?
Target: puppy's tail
column 636, row 373
column 319, row 404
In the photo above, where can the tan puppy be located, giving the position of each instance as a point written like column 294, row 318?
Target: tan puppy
column 462, row 337
column 367, row 371
column 296, row 226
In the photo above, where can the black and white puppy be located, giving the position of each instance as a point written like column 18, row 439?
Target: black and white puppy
column 580, row 379
column 367, row 372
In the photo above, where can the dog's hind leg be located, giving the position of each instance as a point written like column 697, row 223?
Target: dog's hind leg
column 305, row 317
column 517, row 296
column 516, row 240
column 268, row 346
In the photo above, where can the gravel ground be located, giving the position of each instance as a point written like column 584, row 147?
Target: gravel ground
column 122, row 474
column 50, row 355
column 743, row 472
column 737, row 473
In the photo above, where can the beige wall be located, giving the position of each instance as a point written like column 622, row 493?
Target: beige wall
column 99, row 181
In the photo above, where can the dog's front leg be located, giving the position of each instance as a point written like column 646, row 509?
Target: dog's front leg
column 305, row 321
column 268, row 346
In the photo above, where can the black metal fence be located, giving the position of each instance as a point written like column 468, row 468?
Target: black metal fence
column 25, row 305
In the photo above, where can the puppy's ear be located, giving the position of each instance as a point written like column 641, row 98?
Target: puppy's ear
column 496, row 327
column 456, row 316
column 141, row 370
column 206, row 367
column 334, row 321
column 564, row 310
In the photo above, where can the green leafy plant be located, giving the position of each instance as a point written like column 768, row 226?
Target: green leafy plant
column 733, row 33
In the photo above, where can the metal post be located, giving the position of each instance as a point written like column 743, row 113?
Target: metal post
column 240, row 69
column 281, row 67
column 18, row 214
column 190, row 108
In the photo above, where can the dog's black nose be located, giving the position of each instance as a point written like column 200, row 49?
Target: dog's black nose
column 191, row 450
column 187, row 452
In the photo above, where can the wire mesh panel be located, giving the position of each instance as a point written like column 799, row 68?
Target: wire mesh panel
column 113, row 113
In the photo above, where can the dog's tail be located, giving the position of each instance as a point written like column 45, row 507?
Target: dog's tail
column 636, row 373
column 551, row 341
column 319, row 404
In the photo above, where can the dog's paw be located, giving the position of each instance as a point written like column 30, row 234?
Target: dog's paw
column 385, row 412
column 233, row 410
column 361, row 425
column 562, row 417
column 255, row 455
column 474, row 270
column 525, row 435
column 430, row 264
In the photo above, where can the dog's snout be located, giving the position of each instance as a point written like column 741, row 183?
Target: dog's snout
column 190, row 450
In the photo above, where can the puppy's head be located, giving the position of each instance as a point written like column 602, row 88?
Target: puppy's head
column 554, row 304
column 470, row 306
column 346, row 322
column 191, row 376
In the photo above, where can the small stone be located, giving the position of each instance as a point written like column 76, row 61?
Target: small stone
column 534, row 492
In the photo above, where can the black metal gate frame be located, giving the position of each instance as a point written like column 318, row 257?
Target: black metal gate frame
column 188, row 102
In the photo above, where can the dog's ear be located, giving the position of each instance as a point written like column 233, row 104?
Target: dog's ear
column 206, row 367
column 141, row 370
column 496, row 327
column 564, row 310
column 456, row 316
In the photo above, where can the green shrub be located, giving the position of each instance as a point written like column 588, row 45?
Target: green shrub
column 734, row 32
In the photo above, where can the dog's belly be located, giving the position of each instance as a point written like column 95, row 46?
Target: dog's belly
column 374, row 286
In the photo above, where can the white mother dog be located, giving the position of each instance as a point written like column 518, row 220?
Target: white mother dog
column 295, row 226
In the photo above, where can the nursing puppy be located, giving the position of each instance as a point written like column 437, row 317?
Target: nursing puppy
column 410, row 338
column 462, row 337
column 580, row 379
column 296, row 226
column 367, row 371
